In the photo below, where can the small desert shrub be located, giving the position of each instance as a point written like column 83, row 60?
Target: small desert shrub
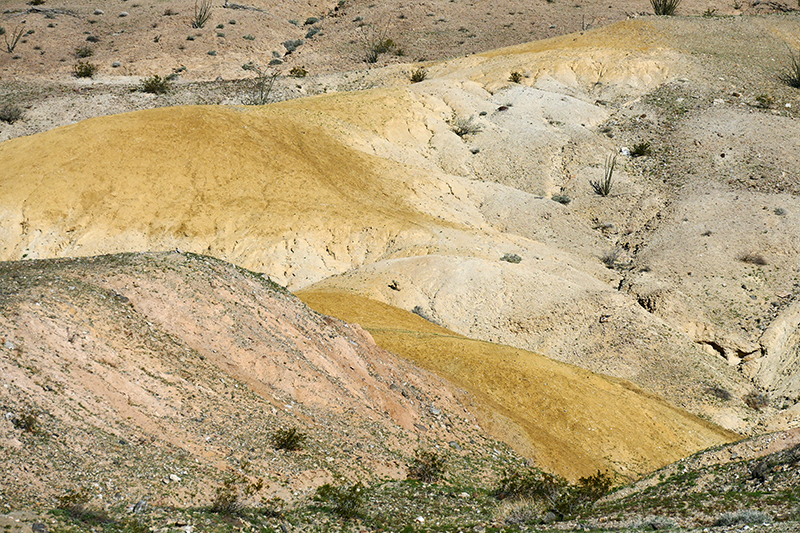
column 515, row 77
column 288, row 439
column 374, row 41
column 28, row 421
column 231, row 497
column 16, row 35
column 656, row 523
column 263, row 84
column 298, row 72
column 791, row 76
column 756, row 400
column 248, row 37
column 418, row 75
column 84, row 69
column 463, row 126
column 311, row 20
column 719, row 392
column 292, row 45
column 553, row 492
column 665, row 7
column 641, row 149
column 779, row 211
column 745, row 516
column 170, row 12
column 220, row 26
column 427, row 466
column 76, row 504
column 612, row 258
column 511, row 258
column 522, row 512
column 603, row 186
column 36, row 2
column 10, row 113
column 93, row 39
column 765, row 101
column 561, row 198
column 83, row 52
column 312, row 32
column 753, row 259
column 346, row 501
column 155, row 84
column 202, row 12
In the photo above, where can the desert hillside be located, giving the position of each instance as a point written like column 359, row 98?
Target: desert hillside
column 576, row 253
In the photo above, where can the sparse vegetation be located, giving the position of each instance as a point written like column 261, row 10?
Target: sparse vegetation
column 791, row 76
column 511, row 258
column 641, row 149
column 756, row 400
column 515, row 77
column 10, row 113
column 298, row 72
column 561, row 198
column 753, row 258
column 375, row 41
column 84, row 69
column 346, row 501
column 248, row 37
column 719, row 392
column 552, row 492
column 427, row 466
column 83, row 52
column 418, row 75
column 603, row 187
column 665, row 7
column 464, row 126
column 202, row 12
column 16, row 35
column 232, row 496
column 28, row 421
column 263, row 84
column 155, row 84
column 288, row 439
column 611, row 259
column 745, row 516
column 764, row 101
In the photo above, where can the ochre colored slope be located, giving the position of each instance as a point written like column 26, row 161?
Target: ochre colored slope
column 228, row 181
column 568, row 420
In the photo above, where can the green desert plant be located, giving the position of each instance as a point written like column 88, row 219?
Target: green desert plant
column 155, row 84
column 753, row 259
column 263, row 84
column 603, row 187
column 791, row 76
column 515, row 77
column 744, row 516
column 374, row 41
column 427, row 466
column 288, row 439
column 511, row 258
column 553, row 492
column 84, row 69
column 463, row 126
column 345, row 500
column 756, row 400
column 231, row 497
column 10, row 113
column 298, row 72
column 16, row 35
column 418, row 75
column 641, row 149
column 82, row 52
column 561, row 198
column 665, row 7
column 28, row 421
column 202, row 12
